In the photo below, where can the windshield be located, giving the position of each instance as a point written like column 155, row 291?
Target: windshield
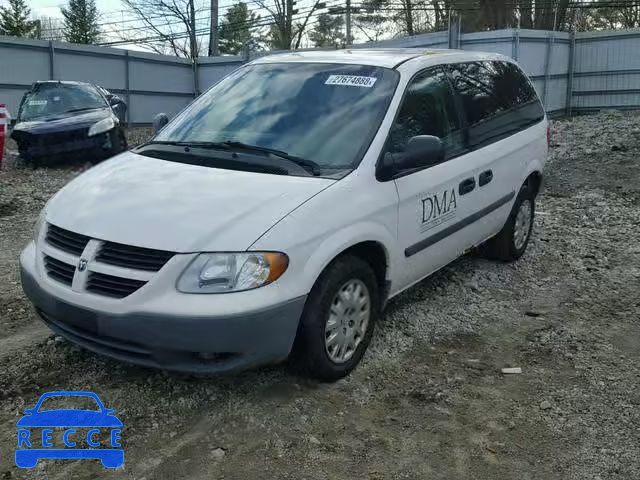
column 325, row 113
column 57, row 98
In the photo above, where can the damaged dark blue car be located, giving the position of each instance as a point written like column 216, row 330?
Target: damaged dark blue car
column 66, row 120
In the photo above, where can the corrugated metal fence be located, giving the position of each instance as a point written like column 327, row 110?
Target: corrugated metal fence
column 572, row 73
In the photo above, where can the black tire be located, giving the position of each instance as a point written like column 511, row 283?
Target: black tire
column 123, row 143
column 119, row 146
column 309, row 355
column 503, row 246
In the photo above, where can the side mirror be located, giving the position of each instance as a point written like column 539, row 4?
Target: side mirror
column 422, row 151
column 159, row 121
column 114, row 100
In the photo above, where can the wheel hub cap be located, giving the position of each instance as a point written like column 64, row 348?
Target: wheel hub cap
column 347, row 321
column 522, row 224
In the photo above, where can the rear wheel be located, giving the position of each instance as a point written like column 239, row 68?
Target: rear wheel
column 511, row 242
column 338, row 320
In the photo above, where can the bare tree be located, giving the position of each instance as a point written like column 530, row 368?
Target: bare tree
column 285, row 33
column 167, row 26
column 49, row 28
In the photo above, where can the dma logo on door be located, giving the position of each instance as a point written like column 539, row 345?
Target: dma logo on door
column 89, row 430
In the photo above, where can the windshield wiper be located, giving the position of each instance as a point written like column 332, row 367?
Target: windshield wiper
column 308, row 165
column 81, row 109
column 215, row 145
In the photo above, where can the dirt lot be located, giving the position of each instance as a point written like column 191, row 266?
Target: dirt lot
column 429, row 400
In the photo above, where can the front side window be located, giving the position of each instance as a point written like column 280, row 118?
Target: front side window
column 50, row 99
column 427, row 109
column 325, row 113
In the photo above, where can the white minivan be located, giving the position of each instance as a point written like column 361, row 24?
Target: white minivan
column 276, row 214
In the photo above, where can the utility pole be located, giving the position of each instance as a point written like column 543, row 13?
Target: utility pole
column 348, row 22
column 213, row 33
column 408, row 8
column 289, row 23
column 192, row 34
column 194, row 48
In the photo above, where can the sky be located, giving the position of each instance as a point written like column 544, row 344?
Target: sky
column 51, row 8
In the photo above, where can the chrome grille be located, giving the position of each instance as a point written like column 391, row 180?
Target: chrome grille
column 59, row 271
column 111, row 286
column 65, row 240
column 137, row 258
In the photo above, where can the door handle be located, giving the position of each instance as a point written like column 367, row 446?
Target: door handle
column 467, row 185
column 485, row 177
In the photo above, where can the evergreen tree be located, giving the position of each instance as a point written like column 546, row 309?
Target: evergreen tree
column 328, row 31
column 14, row 20
column 81, row 22
column 235, row 31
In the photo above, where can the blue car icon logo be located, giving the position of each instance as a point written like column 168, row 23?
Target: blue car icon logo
column 96, row 429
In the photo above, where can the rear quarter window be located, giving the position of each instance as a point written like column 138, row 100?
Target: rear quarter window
column 497, row 98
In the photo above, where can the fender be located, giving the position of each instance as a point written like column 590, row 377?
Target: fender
column 345, row 238
column 356, row 209
column 535, row 165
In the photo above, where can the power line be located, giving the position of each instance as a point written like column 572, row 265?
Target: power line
column 262, row 6
column 259, row 23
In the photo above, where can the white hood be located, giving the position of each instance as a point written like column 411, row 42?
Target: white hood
column 159, row 204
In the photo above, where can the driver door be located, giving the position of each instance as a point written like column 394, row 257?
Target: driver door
column 434, row 199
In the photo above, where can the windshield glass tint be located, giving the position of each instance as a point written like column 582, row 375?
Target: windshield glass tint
column 321, row 112
column 57, row 98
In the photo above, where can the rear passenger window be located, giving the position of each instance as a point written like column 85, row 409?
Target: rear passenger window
column 497, row 98
column 428, row 109
column 512, row 86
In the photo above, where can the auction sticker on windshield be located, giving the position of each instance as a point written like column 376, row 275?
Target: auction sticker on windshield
column 351, row 81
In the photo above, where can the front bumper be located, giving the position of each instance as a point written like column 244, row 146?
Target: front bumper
column 204, row 343
column 43, row 145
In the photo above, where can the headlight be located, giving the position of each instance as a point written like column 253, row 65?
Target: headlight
column 102, row 126
column 232, row 272
column 39, row 225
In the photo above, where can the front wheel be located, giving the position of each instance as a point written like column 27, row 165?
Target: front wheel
column 338, row 320
column 511, row 242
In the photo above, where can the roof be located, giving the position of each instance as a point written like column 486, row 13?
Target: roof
column 63, row 82
column 381, row 57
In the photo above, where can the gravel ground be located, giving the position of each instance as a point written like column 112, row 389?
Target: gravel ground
column 429, row 400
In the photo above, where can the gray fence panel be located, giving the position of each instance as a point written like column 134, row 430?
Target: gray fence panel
column 160, row 77
column 607, row 70
column 21, row 63
column 108, row 72
column 11, row 97
column 211, row 71
column 143, row 108
column 501, row 47
column 432, row 40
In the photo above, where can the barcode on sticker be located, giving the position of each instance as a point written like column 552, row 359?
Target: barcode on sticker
column 351, row 81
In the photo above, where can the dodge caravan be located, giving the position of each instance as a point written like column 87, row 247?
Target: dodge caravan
column 276, row 214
